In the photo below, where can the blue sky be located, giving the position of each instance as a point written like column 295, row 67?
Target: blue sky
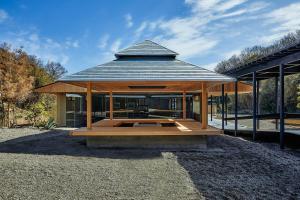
column 81, row 34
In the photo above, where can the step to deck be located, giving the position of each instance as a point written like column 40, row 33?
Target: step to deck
column 148, row 142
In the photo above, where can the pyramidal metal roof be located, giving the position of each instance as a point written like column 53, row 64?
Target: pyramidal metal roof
column 146, row 48
column 146, row 61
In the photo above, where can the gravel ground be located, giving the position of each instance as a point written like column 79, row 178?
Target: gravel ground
column 51, row 165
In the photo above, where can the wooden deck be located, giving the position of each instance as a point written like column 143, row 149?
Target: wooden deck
column 112, row 128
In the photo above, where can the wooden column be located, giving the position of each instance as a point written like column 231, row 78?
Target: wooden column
column 211, row 107
column 89, row 106
column 184, row 105
column 204, row 107
column 111, row 106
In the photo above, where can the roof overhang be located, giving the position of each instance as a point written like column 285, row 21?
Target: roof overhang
column 60, row 87
column 128, row 86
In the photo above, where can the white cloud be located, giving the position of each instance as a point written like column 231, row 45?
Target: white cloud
column 115, row 46
column 128, row 19
column 69, row 43
column 201, row 31
column 210, row 66
column 280, row 22
column 3, row 15
column 285, row 19
column 229, row 5
column 34, row 37
column 228, row 54
column 213, row 6
column 44, row 48
column 257, row 6
column 102, row 43
column 140, row 29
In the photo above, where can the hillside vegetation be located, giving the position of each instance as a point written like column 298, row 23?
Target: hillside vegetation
column 20, row 73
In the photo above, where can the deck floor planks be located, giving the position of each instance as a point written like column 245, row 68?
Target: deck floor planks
column 110, row 128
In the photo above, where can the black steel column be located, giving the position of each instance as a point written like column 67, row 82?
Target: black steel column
column 222, row 106
column 211, row 107
column 226, row 108
column 257, row 104
column 281, row 101
column 276, row 101
column 235, row 107
column 254, row 104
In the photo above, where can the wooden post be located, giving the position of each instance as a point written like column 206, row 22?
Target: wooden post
column 184, row 105
column 204, row 107
column 89, row 106
column 111, row 106
column 211, row 107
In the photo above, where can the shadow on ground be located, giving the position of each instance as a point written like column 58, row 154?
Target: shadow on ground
column 58, row 142
column 244, row 170
column 291, row 140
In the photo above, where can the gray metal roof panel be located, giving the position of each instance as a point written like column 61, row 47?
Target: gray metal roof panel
column 146, row 48
column 146, row 70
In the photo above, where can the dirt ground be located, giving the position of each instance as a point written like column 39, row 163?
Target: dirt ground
column 52, row 165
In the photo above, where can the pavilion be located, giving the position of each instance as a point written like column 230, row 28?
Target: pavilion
column 274, row 66
column 146, row 90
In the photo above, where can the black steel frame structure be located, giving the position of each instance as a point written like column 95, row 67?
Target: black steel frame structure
column 276, row 65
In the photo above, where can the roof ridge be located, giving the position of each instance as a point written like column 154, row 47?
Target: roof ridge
column 146, row 48
column 162, row 46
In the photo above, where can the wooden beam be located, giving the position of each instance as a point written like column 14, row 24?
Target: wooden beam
column 204, row 107
column 230, row 88
column 89, row 106
column 111, row 106
column 184, row 105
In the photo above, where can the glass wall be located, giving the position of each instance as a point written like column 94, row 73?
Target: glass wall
column 126, row 106
column 76, row 109
column 149, row 105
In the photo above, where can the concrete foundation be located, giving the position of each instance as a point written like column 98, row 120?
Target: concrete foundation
column 148, row 142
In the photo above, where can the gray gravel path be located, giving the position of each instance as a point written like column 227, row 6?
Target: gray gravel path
column 52, row 165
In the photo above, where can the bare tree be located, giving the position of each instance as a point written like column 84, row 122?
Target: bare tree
column 55, row 70
column 253, row 53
